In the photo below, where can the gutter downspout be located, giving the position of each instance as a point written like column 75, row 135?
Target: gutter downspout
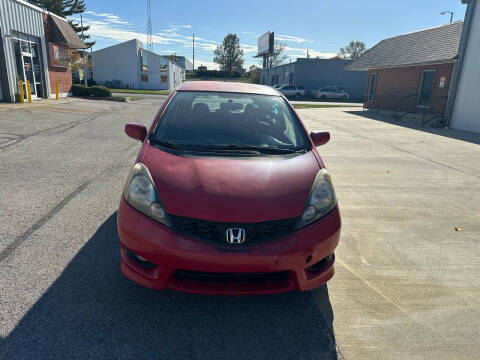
column 457, row 71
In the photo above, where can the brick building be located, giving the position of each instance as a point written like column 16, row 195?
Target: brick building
column 411, row 73
column 60, row 38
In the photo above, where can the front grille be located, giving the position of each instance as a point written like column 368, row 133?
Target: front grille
column 216, row 231
column 230, row 277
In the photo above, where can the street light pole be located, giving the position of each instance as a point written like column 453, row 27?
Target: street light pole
column 449, row 12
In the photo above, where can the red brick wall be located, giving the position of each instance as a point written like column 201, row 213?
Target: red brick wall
column 56, row 73
column 398, row 87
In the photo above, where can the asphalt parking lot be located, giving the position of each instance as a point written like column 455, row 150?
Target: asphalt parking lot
column 407, row 272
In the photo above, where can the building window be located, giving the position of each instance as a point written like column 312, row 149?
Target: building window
column 426, row 88
column 143, row 61
column 163, row 79
column 372, row 86
column 144, row 77
column 163, row 64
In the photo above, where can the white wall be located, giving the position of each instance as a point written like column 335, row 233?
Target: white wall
column 118, row 62
column 122, row 62
column 466, row 111
column 176, row 75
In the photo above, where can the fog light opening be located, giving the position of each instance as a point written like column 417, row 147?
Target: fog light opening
column 140, row 259
column 320, row 265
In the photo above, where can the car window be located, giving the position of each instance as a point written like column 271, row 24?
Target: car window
column 301, row 87
column 219, row 119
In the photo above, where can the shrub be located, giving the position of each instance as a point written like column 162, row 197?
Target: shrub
column 80, row 90
column 100, row 91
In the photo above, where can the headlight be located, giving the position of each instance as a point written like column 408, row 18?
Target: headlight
column 321, row 201
column 140, row 193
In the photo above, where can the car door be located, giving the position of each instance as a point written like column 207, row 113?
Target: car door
column 328, row 93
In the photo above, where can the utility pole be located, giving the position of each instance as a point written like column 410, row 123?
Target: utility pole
column 84, row 55
column 193, row 52
column 91, row 59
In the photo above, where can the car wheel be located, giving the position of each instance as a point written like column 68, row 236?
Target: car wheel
column 323, row 97
column 297, row 96
column 344, row 98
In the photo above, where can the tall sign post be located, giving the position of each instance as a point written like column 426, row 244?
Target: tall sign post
column 265, row 48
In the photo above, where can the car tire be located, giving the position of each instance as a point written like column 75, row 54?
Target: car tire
column 344, row 98
column 297, row 96
column 323, row 97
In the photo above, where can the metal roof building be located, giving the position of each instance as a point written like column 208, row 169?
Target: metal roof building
column 34, row 47
column 23, row 51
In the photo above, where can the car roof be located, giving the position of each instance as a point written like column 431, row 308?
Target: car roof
column 227, row 86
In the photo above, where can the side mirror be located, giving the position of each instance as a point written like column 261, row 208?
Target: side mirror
column 136, row 131
column 320, row 137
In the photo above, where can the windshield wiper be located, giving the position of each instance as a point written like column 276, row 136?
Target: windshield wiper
column 166, row 144
column 220, row 148
column 225, row 148
column 199, row 147
column 264, row 149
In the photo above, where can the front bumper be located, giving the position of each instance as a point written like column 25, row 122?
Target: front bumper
column 176, row 255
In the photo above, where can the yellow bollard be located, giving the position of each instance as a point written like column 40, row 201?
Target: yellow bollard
column 56, row 89
column 29, row 92
column 20, row 88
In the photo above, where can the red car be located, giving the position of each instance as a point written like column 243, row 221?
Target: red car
column 228, row 195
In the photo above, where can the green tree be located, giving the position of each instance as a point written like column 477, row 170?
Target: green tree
column 229, row 55
column 65, row 9
column 353, row 50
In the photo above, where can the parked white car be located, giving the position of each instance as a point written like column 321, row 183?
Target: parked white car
column 331, row 92
column 292, row 90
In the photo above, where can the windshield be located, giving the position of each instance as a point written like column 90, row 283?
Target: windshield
column 233, row 121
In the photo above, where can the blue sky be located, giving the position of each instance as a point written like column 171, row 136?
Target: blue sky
column 322, row 26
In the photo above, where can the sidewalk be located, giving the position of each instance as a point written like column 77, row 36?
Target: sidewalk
column 35, row 103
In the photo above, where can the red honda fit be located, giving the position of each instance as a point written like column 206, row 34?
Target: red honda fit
column 228, row 195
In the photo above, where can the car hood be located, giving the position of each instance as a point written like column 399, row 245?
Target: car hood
column 226, row 189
